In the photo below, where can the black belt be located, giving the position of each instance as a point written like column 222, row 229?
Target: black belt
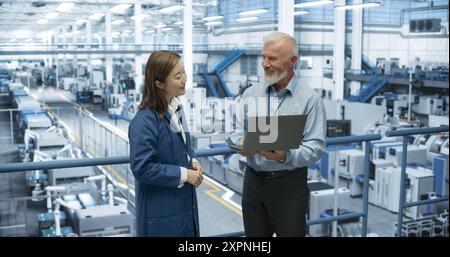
column 273, row 174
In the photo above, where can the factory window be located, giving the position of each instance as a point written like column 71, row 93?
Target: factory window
column 249, row 65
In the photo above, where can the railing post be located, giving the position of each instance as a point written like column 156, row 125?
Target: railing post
column 402, row 187
column 80, row 127
column 11, row 126
column 366, row 189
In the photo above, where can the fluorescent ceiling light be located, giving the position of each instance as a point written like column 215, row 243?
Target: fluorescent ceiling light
column 139, row 16
column 64, row 7
column 96, row 62
column 96, row 16
column 213, row 18
column 115, row 34
column 178, row 23
column 171, row 9
column 300, row 12
column 117, row 22
column 126, row 31
column 211, row 23
column 150, row 31
column 120, row 8
column 21, row 33
column 80, row 21
column 313, row 3
column 254, row 12
column 248, row 19
column 43, row 34
column 160, row 26
column 166, row 29
column 51, row 15
column 42, row 21
column 357, row 6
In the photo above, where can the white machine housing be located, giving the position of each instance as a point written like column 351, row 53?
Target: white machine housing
column 350, row 165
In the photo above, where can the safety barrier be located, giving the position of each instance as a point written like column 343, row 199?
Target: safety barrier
column 57, row 164
column 404, row 133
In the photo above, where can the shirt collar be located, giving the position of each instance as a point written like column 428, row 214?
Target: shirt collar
column 174, row 104
column 291, row 87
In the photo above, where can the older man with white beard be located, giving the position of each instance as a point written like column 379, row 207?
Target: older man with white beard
column 275, row 195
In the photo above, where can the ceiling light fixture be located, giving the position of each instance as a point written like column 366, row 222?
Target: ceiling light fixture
column 139, row 16
column 171, row 9
column 253, row 12
column 358, row 6
column 80, row 21
column 65, row 7
column 213, row 18
column 212, row 23
column 42, row 21
column 120, row 8
column 96, row 16
column 117, row 22
column 51, row 15
column 313, row 3
column 301, row 12
column 247, row 19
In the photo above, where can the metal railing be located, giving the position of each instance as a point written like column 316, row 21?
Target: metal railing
column 404, row 133
column 15, row 167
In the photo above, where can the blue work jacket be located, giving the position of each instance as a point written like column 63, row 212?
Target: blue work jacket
column 156, row 154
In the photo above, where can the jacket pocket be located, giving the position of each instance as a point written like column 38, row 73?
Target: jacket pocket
column 170, row 226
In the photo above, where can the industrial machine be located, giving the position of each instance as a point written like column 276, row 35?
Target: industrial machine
column 351, row 165
column 428, row 105
column 321, row 199
column 415, row 154
column 88, row 210
column 420, row 186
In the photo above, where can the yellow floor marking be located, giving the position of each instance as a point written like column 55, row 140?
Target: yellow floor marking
column 214, row 189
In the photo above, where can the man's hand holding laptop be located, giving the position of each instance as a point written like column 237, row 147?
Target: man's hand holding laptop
column 270, row 155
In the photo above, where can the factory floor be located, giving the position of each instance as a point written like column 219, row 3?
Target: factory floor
column 218, row 211
column 219, row 207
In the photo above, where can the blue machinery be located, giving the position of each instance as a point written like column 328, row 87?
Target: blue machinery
column 15, row 167
column 402, row 204
column 214, row 78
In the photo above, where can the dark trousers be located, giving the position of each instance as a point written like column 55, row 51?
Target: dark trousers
column 275, row 205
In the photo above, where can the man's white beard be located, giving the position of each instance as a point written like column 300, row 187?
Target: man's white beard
column 270, row 80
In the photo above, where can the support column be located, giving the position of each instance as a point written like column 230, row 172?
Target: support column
column 49, row 46
column 64, row 42
column 286, row 16
column 108, row 43
column 74, row 43
column 339, row 52
column 357, row 28
column 187, row 42
column 45, row 42
column 138, row 78
column 57, row 59
column 88, row 44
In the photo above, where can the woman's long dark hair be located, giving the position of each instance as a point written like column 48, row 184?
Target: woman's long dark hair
column 158, row 67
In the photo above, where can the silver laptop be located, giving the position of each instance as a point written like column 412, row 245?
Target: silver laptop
column 287, row 134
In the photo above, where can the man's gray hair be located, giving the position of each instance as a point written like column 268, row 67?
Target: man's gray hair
column 277, row 36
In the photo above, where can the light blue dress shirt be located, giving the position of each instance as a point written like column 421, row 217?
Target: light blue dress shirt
column 292, row 100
